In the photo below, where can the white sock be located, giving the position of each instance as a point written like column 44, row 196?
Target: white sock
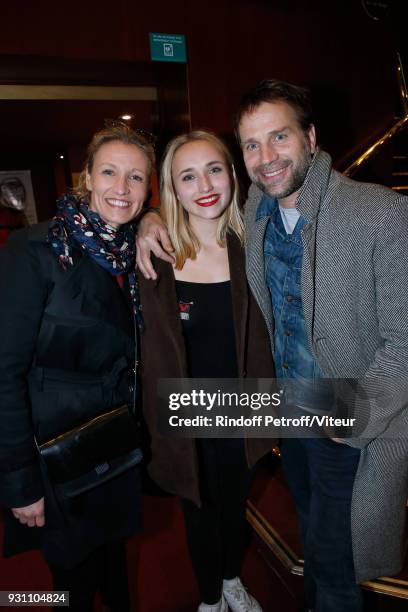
column 231, row 583
column 213, row 607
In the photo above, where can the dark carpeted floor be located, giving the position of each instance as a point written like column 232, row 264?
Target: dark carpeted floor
column 161, row 578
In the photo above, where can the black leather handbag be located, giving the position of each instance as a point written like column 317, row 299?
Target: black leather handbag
column 99, row 448
column 92, row 453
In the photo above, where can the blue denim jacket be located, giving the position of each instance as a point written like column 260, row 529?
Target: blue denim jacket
column 294, row 360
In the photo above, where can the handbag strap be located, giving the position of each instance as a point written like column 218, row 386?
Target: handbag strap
column 134, row 383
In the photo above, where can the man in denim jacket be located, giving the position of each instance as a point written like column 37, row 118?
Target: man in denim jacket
column 327, row 261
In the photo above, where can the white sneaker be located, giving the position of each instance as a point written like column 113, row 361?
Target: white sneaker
column 221, row 606
column 238, row 599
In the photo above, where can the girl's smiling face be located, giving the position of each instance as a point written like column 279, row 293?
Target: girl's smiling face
column 201, row 179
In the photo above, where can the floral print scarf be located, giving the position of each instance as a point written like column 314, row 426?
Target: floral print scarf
column 112, row 248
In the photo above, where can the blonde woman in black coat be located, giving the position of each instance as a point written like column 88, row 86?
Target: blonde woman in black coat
column 67, row 311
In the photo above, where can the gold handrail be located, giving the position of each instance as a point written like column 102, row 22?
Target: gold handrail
column 371, row 151
column 402, row 84
column 390, row 133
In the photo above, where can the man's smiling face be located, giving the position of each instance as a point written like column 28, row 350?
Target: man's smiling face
column 277, row 151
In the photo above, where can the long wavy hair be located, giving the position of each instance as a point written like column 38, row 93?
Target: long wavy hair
column 185, row 242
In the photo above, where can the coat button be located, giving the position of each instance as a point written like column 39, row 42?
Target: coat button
column 285, row 366
column 289, row 298
column 286, row 333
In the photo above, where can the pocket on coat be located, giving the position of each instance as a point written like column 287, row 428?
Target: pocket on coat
column 57, row 410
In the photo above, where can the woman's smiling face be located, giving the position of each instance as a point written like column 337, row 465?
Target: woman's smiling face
column 118, row 182
column 201, row 179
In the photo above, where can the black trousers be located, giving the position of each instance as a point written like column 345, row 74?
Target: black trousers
column 216, row 532
column 104, row 571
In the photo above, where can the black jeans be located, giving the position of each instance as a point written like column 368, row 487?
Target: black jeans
column 216, row 532
column 320, row 475
column 104, row 571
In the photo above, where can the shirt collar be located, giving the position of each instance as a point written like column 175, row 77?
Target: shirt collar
column 266, row 206
column 314, row 191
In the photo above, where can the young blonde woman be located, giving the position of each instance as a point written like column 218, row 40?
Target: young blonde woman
column 202, row 322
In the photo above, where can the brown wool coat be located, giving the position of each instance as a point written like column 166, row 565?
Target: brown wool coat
column 174, row 461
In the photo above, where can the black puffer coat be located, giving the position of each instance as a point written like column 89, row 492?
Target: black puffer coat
column 66, row 341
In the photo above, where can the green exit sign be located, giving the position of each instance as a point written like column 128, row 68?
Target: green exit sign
column 167, row 47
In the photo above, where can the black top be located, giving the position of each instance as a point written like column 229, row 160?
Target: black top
column 208, row 328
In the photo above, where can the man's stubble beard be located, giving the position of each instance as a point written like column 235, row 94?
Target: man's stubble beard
column 296, row 180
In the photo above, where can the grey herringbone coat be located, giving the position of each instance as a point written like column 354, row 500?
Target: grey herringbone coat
column 355, row 301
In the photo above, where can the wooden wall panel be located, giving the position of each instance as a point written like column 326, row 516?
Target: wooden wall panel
column 333, row 47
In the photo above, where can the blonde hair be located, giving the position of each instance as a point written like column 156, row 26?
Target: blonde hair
column 116, row 132
column 185, row 242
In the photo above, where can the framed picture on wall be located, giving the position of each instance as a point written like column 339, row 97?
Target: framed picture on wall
column 16, row 192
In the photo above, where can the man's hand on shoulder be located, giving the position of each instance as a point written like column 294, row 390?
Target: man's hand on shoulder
column 152, row 236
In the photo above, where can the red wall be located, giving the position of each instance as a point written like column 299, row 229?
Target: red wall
column 331, row 46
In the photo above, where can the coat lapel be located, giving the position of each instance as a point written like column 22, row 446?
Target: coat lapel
column 313, row 195
column 87, row 291
column 103, row 299
column 161, row 314
column 255, row 262
column 164, row 289
column 239, row 294
column 308, row 275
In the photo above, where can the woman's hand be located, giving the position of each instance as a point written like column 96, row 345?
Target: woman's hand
column 151, row 237
column 32, row 515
